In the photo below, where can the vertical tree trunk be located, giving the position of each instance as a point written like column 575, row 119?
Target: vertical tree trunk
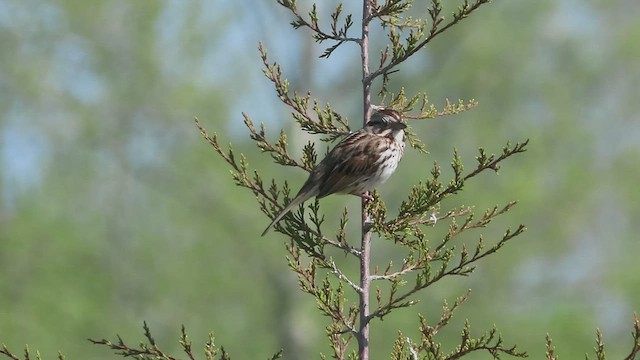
column 365, row 246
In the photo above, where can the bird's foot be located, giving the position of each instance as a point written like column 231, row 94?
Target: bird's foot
column 366, row 196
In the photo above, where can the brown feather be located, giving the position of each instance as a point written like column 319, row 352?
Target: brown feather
column 353, row 161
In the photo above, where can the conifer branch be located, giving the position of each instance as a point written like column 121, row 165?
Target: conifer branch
column 342, row 277
column 599, row 348
column 425, row 196
column 635, row 349
column 413, row 42
column 5, row 351
column 490, row 341
column 151, row 350
column 550, row 349
column 425, row 262
column 338, row 31
column 329, row 122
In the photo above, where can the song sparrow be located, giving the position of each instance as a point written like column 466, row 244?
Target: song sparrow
column 358, row 163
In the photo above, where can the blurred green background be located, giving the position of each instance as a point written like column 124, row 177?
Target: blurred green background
column 113, row 210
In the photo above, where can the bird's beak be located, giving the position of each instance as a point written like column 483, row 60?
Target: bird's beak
column 398, row 126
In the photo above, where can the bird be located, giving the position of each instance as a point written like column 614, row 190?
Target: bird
column 361, row 161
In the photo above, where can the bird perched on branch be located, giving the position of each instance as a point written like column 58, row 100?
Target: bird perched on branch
column 358, row 163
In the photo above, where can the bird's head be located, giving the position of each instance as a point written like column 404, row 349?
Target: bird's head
column 386, row 121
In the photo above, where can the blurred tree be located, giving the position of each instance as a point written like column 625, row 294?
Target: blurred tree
column 108, row 216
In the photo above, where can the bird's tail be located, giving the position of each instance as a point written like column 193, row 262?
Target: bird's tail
column 295, row 202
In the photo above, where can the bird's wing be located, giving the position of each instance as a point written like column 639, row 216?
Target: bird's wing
column 353, row 159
